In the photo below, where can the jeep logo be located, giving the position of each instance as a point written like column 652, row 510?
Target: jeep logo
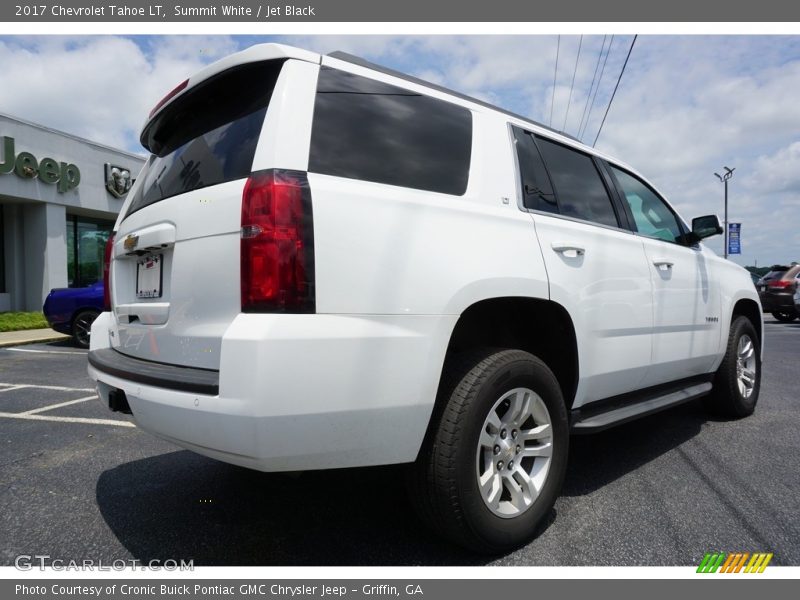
column 66, row 176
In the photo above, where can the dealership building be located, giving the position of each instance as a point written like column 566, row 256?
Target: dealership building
column 59, row 197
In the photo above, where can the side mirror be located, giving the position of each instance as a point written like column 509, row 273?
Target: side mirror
column 703, row 227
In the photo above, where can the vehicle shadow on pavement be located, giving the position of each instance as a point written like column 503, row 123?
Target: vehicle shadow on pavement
column 184, row 506
column 599, row 459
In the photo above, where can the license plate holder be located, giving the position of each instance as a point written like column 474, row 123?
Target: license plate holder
column 149, row 276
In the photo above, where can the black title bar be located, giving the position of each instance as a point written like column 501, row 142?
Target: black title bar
column 255, row 11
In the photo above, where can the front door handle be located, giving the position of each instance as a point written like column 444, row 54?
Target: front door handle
column 662, row 264
column 568, row 249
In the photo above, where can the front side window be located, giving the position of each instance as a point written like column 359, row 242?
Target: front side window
column 368, row 130
column 578, row 185
column 651, row 215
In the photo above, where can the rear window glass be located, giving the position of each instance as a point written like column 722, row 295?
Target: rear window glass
column 208, row 136
column 368, row 130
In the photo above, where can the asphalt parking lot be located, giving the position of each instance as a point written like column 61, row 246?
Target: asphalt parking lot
column 79, row 482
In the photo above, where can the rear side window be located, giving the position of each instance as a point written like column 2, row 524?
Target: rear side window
column 368, row 130
column 207, row 136
column 537, row 193
column 579, row 187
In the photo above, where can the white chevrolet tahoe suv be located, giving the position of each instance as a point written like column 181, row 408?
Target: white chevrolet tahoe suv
column 327, row 264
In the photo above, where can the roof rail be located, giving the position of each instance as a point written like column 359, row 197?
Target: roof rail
column 357, row 60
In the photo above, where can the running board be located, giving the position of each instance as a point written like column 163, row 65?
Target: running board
column 591, row 420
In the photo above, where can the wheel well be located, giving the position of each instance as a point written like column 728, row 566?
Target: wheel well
column 750, row 310
column 540, row 327
column 78, row 311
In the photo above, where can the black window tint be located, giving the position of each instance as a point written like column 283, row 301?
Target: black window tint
column 368, row 130
column 775, row 274
column 651, row 215
column 580, row 190
column 537, row 193
column 208, row 136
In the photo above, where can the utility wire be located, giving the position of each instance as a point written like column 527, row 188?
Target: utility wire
column 591, row 86
column 574, row 72
column 599, row 82
column 555, row 72
column 625, row 64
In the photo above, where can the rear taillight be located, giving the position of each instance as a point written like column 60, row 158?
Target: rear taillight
column 178, row 89
column 779, row 284
column 107, row 254
column 277, row 247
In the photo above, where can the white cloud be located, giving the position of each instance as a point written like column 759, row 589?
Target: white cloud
column 100, row 87
column 686, row 106
column 778, row 172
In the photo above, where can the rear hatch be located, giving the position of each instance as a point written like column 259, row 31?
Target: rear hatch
column 774, row 281
column 175, row 273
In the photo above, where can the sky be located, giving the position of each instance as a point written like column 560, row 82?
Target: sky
column 686, row 105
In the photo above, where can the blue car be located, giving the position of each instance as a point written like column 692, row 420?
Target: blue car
column 73, row 310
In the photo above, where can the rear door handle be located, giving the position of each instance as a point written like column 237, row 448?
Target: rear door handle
column 663, row 264
column 568, row 249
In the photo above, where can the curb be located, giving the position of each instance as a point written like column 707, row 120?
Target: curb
column 52, row 338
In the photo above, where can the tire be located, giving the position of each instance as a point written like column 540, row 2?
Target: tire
column 472, row 420
column 82, row 327
column 731, row 395
column 785, row 316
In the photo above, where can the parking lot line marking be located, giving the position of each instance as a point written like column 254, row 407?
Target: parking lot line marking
column 65, row 419
column 48, row 387
column 54, row 406
column 46, row 351
column 13, row 387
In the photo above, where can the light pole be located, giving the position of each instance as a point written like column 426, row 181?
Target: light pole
column 724, row 179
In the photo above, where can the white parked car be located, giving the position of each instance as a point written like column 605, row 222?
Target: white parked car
column 328, row 264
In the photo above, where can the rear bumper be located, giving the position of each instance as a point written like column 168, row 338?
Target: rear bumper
column 171, row 377
column 295, row 392
column 771, row 302
column 58, row 321
column 60, row 327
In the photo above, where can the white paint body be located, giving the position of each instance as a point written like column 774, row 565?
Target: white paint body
column 355, row 383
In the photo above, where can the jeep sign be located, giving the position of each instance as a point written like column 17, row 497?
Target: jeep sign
column 66, row 176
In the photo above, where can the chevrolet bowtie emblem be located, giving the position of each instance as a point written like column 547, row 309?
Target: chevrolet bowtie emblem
column 131, row 242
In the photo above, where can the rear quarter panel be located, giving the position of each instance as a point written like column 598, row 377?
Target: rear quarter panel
column 383, row 249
